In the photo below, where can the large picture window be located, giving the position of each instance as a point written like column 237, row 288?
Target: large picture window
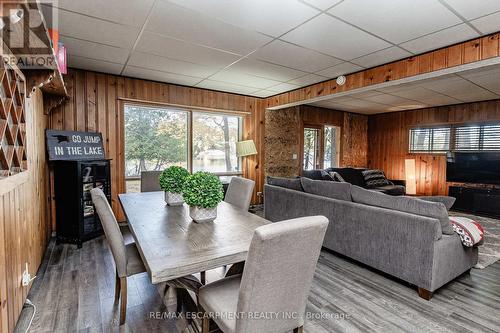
column 158, row 137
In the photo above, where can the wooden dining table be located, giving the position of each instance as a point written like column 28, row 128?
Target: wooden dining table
column 172, row 245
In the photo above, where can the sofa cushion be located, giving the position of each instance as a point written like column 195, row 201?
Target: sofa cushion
column 316, row 174
column 350, row 175
column 334, row 190
column 336, row 176
column 290, row 183
column 375, row 178
column 391, row 189
column 411, row 205
column 447, row 201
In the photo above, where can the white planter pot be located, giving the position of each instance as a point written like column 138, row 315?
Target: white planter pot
column 174, row 199
column 200, row 215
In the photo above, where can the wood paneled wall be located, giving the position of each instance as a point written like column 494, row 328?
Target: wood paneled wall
column 24, row 220
column 388, row 137
column 283, row 137
column 96, row 104
column 463, row 53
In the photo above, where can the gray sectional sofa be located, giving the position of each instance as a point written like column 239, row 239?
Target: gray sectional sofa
column 411, row 239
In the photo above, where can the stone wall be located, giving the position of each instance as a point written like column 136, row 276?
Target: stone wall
column 284, row 129
column 281, row 139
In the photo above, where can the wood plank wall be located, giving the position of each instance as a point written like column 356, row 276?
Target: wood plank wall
column 463, row 53
column 24, row 220
column 95, row 105
column 389, row 141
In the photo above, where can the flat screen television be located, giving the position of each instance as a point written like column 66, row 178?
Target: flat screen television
column 481, row 168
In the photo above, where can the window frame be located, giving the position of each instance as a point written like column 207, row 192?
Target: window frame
column 431, row 139
column 321, row 144
column 189, row 111
column 453, row 137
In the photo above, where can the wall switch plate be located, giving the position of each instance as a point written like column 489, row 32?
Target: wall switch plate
column 294, row 156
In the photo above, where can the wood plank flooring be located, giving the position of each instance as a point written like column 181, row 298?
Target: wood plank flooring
column 74, row 292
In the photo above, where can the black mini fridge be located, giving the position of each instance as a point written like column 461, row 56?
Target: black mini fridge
column 76, row 218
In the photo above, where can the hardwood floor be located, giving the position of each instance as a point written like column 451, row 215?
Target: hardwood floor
column 74, row 292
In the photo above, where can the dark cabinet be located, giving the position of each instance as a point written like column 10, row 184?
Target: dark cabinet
column 481, row 201
column 76, row 218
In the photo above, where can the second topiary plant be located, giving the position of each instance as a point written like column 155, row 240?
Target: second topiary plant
column 171, row 181
column 202, row 191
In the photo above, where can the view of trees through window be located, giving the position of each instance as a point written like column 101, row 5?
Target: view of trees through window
column 330, row 155
column 157, row 137
column 311, row 147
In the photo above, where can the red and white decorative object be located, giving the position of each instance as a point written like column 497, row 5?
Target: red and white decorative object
column 471, row 232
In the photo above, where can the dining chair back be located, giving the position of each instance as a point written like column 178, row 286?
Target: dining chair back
column 278, row 273
column 111, row 230
column 149, row 181
column 239, row 192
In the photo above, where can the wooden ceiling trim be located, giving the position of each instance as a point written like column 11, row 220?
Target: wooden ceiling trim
column 468, row 52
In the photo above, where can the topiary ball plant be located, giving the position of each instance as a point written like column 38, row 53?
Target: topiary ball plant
column 202, row 189
column 172, row 179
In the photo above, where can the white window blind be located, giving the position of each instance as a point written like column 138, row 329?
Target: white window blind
column 435, row 139
column 477, row 138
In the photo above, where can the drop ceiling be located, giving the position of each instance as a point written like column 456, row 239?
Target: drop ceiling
column 261, row 47
column 460, row 87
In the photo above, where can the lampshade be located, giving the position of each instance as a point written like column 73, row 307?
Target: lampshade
column 411, row 181
column 245, row 148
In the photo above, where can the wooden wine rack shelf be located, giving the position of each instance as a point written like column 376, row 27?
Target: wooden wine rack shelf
column 12, row 122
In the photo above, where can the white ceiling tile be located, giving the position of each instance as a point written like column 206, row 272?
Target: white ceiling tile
column 293, row 56
column 283, row 87
column 180, row 50
column 224, row 86
column 341, row 69
column 266, row 70
column 242, row 78
column 492, row 83
column 386, row 99
column 84, row 27
column 382, row 57
column 460, row 89
column 322, row 4
column 270, row 17
column 456, row 34
column 95, row 51
column 156, row 75
column 263, row 93
column 150, row 61
column 470, row 9
column 308, row 79
column 175, row 21
column 488, row 24
column 334, row 37
column 128, row 12
column 94, row 65
column 396, row 20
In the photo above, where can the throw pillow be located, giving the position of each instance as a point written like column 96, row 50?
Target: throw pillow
column 336, row 176
column 411, row 205
column 375, row 178
column 329, row 189
column 471, row 232
column 290, row 183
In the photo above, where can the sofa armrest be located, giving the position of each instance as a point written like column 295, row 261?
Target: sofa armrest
column 447, row 201
column 401, row 182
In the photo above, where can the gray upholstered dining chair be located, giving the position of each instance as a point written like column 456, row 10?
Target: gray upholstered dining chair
column 276, row 279
column 128, row 261
column 149, row 181
column 239, row 192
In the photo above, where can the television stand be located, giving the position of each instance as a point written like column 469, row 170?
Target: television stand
column 476, row 200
